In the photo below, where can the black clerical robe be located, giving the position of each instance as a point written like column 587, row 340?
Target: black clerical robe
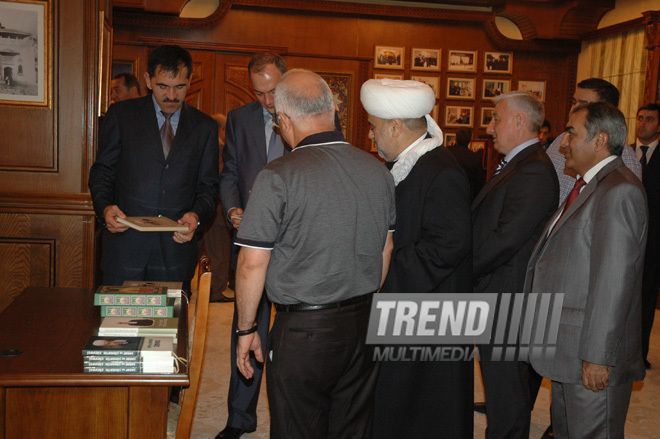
column 432, row 254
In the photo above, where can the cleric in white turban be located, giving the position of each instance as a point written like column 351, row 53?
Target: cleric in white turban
column 431, row 255
column 387, row 100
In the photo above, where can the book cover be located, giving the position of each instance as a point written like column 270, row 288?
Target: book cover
column 139, row 311
column 139, row 326
column 135, row 347
column 169, row 368
column 152, row 224
column 133, row 296
column 174, row 289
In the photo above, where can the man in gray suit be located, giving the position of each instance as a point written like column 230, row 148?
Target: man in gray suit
column 592, row 251
column 251, row 143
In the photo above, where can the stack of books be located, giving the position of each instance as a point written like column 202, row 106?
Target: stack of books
column 135, row 301
column 104, row 354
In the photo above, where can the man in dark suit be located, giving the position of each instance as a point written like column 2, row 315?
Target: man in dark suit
column 508, row 216
column 251, row 143
column 141, row 172
column 470, row 161
column 431, row 255
column 646, row 130
column 592, row 251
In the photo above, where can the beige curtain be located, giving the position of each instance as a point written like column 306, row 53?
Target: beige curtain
column 621, row 60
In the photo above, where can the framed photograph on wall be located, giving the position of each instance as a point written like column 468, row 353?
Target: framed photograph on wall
column 450, row 139
column 431, row 81
column 25, row 61
column 486, row 116
column 131, row 66
column 461, row 61
column 425, row 59
column 389, row 57
column 537, row 88
column 387, row 76
column 460, row 88
column 498, row 62
column 458, row 116
column 477, row 145
column 494, row 87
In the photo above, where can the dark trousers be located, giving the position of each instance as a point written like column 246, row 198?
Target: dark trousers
column 244, row 394
column 216, row 244
column 650, row 284
column 507, row 391
column 321, row 375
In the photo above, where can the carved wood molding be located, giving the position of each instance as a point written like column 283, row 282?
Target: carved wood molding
column 537, row 45
column 615, row 29
column 157, row 20
column 51, row 203
column 213, row 47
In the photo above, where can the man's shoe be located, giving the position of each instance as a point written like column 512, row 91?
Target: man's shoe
column 480, row 407
column 232, row 433
column 548, row 434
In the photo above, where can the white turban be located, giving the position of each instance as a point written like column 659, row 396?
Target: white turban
column 398, row 99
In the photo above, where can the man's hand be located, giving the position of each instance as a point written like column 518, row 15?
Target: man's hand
column 190, row 219
column 595, row 376
column 110, row 214
column 247, row 343
column 235, row 216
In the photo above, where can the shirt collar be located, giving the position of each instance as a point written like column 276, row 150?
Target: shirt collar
column 174, row 118
column 519, row 148
column 320, row 138
column 591, row 173
column 649, row 152
column 403, row 153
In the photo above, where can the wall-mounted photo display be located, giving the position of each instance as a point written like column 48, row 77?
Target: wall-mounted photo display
column 389, row 57
column 494, row 87
column 425, row 59
column 387, row 76
column 537, row 88
column 431, row 81
column 460, row 88
column 458, row 116
column 461, row 61
column 486, row 116
column 450, row 139
column 477, row 145
column 498, row 62
column 25, row 54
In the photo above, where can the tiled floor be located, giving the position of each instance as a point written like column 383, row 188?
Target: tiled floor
column 643, row 416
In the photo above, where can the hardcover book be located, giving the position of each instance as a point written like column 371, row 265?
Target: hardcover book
column 139, row 326
column 174, row 289
column 139, row 311
column 152, row 224
column 133, row 347
column 131, row 296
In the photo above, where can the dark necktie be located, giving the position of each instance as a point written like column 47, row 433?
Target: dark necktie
column 574, row 193
column 389, row 165
column 500, row 166
column 642, row 160
column 166, row 134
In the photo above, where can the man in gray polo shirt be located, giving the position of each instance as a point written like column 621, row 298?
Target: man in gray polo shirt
column 317, row 233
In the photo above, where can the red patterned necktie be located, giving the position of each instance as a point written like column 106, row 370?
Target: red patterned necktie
column 166, row 134
column 574, row 193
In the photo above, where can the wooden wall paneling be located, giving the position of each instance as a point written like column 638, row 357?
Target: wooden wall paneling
column 232, row 83
column 136, row 53
column 200, row 94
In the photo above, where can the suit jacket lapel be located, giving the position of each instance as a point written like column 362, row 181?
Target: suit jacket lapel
column 259, row 131
column 152, row 132
column 183, row 130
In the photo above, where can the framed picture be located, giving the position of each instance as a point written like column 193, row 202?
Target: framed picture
column 477, row 145
column 498, row 62
column 105, row 62
column 458, row 116
column 461, row 61
column 425, row 59
column 460, row 88
column 387, row 76
column 25, row 61
column 131, row 66
column 450, row 139
column 537, row 88
column 495, row 87
column 431, row 81
column 486, row 116
column 387, row 57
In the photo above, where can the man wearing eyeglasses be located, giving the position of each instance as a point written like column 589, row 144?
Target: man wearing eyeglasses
column 251, row 142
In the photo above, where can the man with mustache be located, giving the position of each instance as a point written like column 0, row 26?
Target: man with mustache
column 157, row 156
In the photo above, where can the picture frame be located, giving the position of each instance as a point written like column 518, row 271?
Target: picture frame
column 461, row 61
column 537, row 88
column 450, row 139
column 389, row 57
column 477, row 145
column 431, row 81
column 486, row 116
column 425, row 59
column 105, row 63
column 458, row 116
column 498, row 62
column 492, row 88
column 26, row 75
column 387, row 76
column 131, row 66
column 460, row 88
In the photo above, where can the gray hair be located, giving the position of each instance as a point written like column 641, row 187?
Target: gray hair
column 528, row 104
column 605, row 117
column 304, row 98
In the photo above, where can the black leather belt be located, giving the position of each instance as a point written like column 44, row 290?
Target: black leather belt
column 308, row 307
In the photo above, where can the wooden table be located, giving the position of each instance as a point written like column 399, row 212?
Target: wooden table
column 44, row 392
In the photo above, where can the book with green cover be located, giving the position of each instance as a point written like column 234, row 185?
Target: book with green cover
column 174, row 289
column 139, row 311
column 131, row 296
